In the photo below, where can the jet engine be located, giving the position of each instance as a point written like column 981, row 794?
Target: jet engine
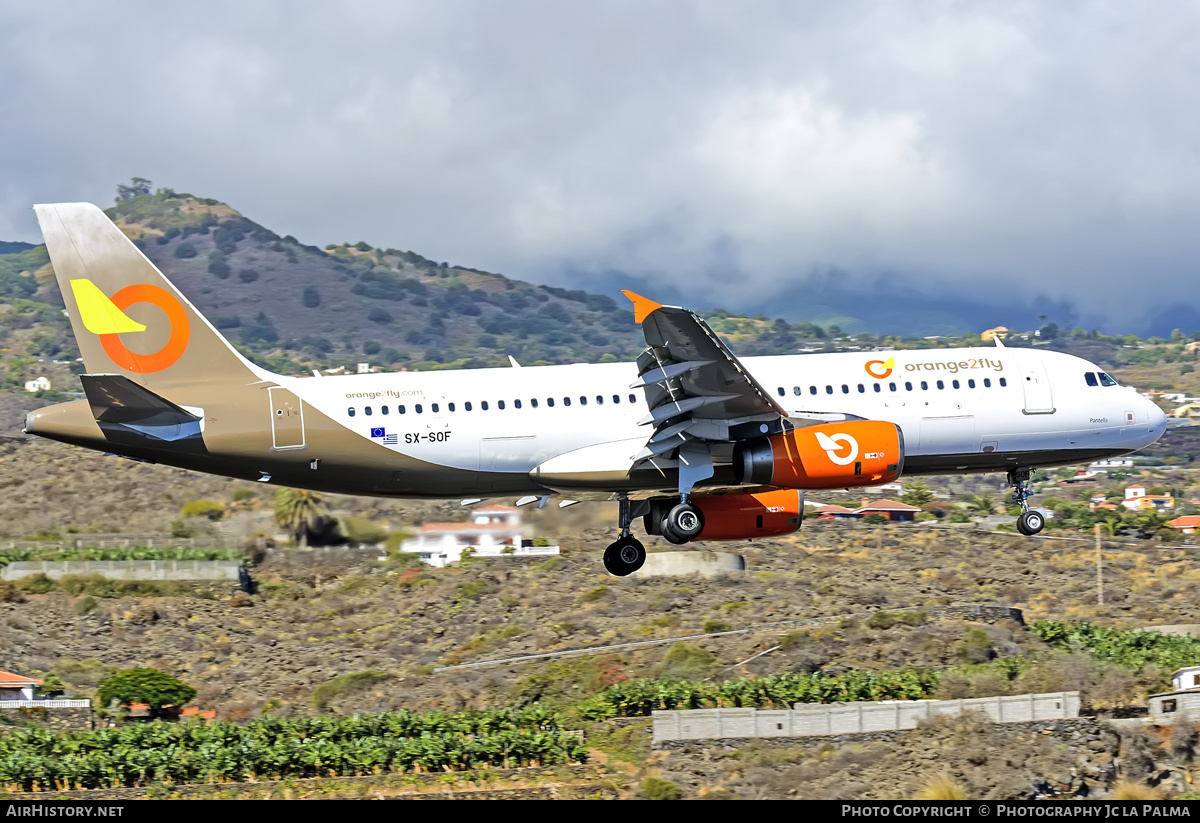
column 825, row 456
column 733, row 515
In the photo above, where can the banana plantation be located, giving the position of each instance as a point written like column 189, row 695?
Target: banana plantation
column 34, row 759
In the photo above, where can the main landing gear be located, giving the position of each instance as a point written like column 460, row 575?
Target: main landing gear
column 679, row 524
column 1029, row 522
column 626, row 554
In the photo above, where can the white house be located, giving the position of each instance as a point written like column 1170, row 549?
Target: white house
column 16, row 687
column 40, row 384
column 1185, row 699
column 494, row 531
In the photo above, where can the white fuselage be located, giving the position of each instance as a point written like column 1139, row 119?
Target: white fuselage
column 986, row 405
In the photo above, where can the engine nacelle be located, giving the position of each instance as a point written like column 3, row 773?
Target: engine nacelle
column 737, row 515
column 827, row 456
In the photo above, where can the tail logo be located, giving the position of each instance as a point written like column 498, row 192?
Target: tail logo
column 832, row 444
column 106, row 317
column 880, row 369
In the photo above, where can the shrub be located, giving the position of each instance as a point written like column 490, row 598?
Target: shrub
column 247, row 275
column 36, row 584
column 656, row 788
column 875, row 519
column 713, row 625
column 203, row 508
column 84, row 605
column 345, row 684
column 312, row 297
column 941, row 787
column 185, row 251
column 243, row 493
column 378, row 315
column 685, row 661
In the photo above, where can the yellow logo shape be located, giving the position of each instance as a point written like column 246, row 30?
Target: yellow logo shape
column 99, row 314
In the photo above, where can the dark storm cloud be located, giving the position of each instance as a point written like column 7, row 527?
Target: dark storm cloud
column 1044, row 149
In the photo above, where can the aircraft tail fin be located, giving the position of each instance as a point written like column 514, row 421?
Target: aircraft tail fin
column 127, row 317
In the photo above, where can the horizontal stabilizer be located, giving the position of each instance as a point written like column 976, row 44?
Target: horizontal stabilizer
column 118, row 401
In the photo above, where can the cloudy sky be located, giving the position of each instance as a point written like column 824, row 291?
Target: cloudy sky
column 729, row 148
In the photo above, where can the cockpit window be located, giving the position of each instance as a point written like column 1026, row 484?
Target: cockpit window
column 1105, row 380
column 1090, row 378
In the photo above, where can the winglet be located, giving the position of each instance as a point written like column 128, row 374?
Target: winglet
column 643, row 307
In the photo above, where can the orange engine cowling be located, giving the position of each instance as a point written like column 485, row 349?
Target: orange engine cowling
column 738, row 515
column 828, row 456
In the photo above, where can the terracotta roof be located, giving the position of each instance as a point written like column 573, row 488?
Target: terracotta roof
column 889, row 505
column 1187, row 520
column 10, row 680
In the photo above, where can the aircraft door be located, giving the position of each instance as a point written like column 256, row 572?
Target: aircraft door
column 1038, row 397
column 287, row 420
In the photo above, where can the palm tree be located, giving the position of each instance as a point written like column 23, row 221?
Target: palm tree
column 297, row 510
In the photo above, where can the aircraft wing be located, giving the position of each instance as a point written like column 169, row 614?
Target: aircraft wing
column 697, row 390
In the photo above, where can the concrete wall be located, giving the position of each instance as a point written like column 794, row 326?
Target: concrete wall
column 127, row 569
column 853, row 718
column 706, row 564
column 60, row 715
column 1184, row 703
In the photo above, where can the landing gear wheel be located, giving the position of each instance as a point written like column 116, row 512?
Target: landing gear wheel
column 1031, row 522
column 624, row 557
column 682, row 523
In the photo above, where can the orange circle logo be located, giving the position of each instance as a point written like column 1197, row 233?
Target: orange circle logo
column 176, row 344
column 880, row 369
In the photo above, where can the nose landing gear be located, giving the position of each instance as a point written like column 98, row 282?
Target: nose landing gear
column 1029, row 522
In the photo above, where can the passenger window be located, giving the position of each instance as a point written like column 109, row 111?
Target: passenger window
column 599, row 400
column 1090, row 378
column 829, row 389
column 1003, row 381
column 451, row 407
column 550, row 402
column 941, row 384
column 845, row 389
column 467, row 406
column 924, row 385
column 367, row 411
column 971, row 383
column 516, row 404
column 533, row 402
column 955, row 384
column 878, row 388
column 861, row 388
column 582, row 400
column 566, row 401
column 907, row 385
column 417, row 408
column 616, row 398
column 434, row 408
column 350, row 411
column 400, row 410
column 500, row 404
column 1105, row 380
column 796, row 390
column 781, row 391
column 483, row 405
column 632, row 399
column 987, row 382
column 891, row 386
column 812, row 389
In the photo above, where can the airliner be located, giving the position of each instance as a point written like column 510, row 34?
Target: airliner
column 696, row 442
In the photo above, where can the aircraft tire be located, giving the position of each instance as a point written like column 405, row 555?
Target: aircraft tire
column 1021, row 525
column 685, row 522
column 1033, row 521
column 624, row 557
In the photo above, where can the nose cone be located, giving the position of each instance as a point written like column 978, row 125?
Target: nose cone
column 1156, row 421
